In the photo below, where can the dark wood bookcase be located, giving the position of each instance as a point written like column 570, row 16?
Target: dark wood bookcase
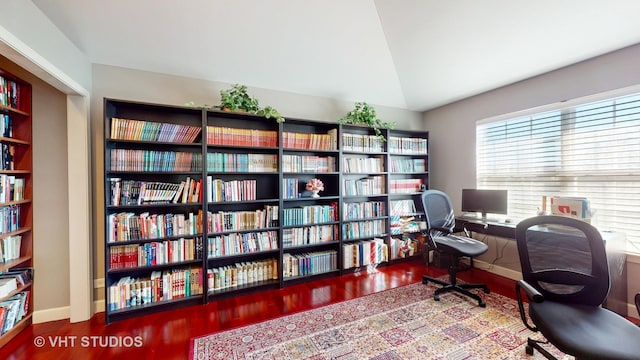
column 258, row 226
column 16, row 204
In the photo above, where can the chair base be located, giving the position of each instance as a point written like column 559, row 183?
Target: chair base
column 537, row 345
column 460, row 288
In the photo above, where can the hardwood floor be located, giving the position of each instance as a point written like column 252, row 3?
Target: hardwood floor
column 166, row 335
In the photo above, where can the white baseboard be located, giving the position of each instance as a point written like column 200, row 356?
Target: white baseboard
column 498, row 270
column 54, row 314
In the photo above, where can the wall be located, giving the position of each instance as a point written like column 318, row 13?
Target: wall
column 452, row 127
column 127, row 84
column 50, row 215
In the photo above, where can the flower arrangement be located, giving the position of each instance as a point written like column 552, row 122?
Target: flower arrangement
column 315, row 185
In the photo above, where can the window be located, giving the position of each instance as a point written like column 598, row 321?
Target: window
column 588, row 149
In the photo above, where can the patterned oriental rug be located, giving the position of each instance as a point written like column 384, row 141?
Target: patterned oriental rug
column 401, row 323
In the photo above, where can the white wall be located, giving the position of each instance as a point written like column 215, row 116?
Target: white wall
column 452, row 127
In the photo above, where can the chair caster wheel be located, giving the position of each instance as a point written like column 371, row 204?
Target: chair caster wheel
column 528, row 349
column 487, row 291
column 436, row 298
column 482, row 304
column 425, row 281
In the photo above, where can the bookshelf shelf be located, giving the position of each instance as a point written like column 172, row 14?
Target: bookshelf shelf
column 16, row 241
column 248, row 164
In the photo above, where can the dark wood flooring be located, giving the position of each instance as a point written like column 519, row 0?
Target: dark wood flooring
column 166, row 335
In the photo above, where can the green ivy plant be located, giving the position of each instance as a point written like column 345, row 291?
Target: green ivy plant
column 365, row 114
column 238, row 99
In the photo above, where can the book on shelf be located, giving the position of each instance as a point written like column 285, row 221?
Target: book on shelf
column 314, row 234
column 363, row 253
column 7, row 285
column 128, row 226
column 407, row 145
column 362, row 143
column 141, row 130
column 310, row 141
column 242, row 274
column 363, row 210
column 362, row 165
column 9, row 218
column 230, row 162
column 9, row 93
column 14, row 309
column 308, row 163
column 241, row 243
column 405, row 186
column 219, row 135
column 309, row 263
column 219, row 190
column 221, row 221
column 363, row 229
column 155, row 253
column 159, row 286
column 6, row 126
column 10, row 248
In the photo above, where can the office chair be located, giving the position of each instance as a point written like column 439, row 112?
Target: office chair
column 440, row 223
column 637, row 298
column 565, row 277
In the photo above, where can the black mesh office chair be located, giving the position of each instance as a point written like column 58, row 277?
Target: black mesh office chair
column 440, row 223
column 566, row 279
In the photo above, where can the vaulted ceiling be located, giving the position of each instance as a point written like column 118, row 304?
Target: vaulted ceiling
column 411, row 54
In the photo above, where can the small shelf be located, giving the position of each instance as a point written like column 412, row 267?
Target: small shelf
column 244, row 287
column 10, row 110
column 139, row 269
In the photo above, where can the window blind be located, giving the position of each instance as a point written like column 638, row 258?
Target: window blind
column 588, row 150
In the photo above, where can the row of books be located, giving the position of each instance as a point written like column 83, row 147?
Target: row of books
column 402, row 207
column 155, row 253
column 243, row 220
column 136, row 192
column 217, row 135
column 311, row 214
column 13, row 310
column 403, row 225
column 308, row 163
column 362, row 143
column 10, row 248
column 241, row 243
column 408, row 165
column 372, row 185
column 241, row 274
column 309, row 235
column 363, row 253
column 309, row 263
column 127, row 226
column 9, row 93
column 363, row 165
column 9, row 218
column 160, row 286
column 6, row 126
column 294, row 140
column 290, row 188
column 363, row 210
column 363, row 229
column 11, row 188
column 403, row 247
column 405, row 186
column 7, row 156
column 232, row 190
column 14, row 279
column 229, row 162
column 141, row 130
column 154, row 160
column 407, row 145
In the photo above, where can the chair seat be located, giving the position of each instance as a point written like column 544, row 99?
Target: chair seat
column 463, row 245
column 591, row 331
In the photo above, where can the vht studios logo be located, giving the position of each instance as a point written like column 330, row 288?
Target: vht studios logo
column 57, row 341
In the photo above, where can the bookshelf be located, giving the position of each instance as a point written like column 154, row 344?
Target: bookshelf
column 16, row 207
column 153, row 203
column 254, row 221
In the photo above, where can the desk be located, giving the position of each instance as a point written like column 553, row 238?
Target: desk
column 616, row 257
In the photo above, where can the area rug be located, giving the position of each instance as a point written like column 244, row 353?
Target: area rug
column 401, row 323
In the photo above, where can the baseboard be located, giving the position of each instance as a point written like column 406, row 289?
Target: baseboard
column 498, row 270
column 54, row 314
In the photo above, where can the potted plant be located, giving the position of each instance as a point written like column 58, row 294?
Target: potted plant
column 365, row 114
column 238, row 99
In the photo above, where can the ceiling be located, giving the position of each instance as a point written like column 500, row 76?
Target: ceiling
column 410, row 54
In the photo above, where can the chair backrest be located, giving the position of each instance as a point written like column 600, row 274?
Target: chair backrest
column 437, row 209
column 564, row 259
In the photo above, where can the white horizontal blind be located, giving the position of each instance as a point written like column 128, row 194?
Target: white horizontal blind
column 590, row 150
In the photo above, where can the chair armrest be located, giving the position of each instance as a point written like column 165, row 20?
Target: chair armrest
column 442, row 229
column 532, row 294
